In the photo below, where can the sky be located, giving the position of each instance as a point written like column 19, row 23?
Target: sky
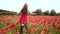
column 16, row 5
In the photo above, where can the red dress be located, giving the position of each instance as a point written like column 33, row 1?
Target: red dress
column 23, row 19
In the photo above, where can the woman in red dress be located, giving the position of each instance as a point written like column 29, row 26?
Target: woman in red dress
column 23, row 19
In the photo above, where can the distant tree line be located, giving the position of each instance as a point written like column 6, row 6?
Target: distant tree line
column 36, row 12
column 47, row 13
column 5, row 12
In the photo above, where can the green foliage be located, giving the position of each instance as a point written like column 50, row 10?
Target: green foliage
column 5, row 12
column 38, row 12
column 2, row 25
column 52, row 13
column 58, row 14
column 46, row 12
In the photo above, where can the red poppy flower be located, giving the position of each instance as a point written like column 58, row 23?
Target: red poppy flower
column 42, row 32
column 6, row 29
column 35, row 30
column 8, row 23
column 58, row 27
column 46, row 29
column 14, row 29
column 2, row 31
column 12, row 25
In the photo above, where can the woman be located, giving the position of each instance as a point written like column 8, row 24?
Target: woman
column 23, row 19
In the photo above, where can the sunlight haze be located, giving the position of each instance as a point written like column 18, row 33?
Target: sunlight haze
column 16, row 5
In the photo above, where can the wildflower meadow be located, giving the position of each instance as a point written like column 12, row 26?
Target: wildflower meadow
column 36, row 24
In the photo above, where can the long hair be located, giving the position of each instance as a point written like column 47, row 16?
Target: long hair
column 24, row 9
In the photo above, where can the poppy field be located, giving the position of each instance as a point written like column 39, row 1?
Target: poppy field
column 36, row 24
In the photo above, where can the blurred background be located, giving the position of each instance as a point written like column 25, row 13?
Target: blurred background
column 35, row 7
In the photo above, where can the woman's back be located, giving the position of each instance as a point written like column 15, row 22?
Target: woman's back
column 23, row 19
